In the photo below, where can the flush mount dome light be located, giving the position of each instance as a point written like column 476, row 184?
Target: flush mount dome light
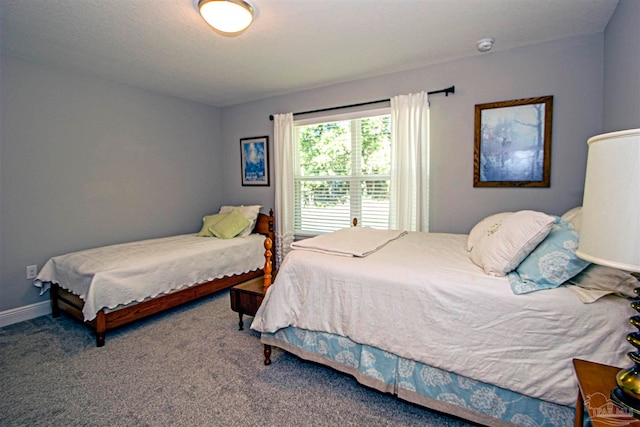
column 226, row 16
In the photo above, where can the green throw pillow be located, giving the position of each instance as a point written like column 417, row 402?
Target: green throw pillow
column 230, row 226
column 208, row 222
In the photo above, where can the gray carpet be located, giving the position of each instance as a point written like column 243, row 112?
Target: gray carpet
column 188, row 367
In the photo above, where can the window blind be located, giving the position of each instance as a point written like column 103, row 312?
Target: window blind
column 342, row 171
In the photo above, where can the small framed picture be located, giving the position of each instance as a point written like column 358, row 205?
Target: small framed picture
column 254, row 155
column 513, row 143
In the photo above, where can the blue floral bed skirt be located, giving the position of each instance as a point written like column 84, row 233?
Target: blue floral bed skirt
column 421, row 384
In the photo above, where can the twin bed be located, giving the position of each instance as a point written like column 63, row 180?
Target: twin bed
column 411, row 314
column 111, row 286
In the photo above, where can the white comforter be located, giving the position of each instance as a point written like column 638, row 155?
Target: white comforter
column 421, row 298
column 110, row 276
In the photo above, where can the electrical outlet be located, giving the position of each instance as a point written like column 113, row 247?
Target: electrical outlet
column 32, row 271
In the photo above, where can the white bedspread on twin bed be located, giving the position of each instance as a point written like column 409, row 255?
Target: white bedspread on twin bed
column 110, row 276
column 421, row 298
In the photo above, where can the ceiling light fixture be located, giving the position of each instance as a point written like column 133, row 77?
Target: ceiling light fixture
column 485, row 45
column 226, row 16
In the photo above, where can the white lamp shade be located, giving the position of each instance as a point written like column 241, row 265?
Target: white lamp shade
column 227, row 16
column 610, row 227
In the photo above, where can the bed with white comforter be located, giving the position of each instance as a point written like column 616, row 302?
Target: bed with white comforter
column 113, row 285
column 421, row 299
column 115, row 275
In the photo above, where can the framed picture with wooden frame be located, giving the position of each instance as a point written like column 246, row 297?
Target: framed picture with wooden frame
column 254, row 156
column 513, row 143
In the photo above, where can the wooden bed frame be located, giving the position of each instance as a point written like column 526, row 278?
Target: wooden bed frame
column 63, row 300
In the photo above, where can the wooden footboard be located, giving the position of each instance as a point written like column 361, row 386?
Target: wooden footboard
column 63, row 300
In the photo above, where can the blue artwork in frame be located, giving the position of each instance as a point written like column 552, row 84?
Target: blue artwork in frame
column 513, row 143
column 254, row 155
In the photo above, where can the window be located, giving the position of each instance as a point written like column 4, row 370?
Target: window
column 342, row 171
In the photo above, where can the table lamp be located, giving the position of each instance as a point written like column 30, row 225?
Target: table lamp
column 610, row 232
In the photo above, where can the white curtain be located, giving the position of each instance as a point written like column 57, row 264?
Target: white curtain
column 283, row 145
column 409, row 207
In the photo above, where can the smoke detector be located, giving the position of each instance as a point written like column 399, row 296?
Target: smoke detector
column 485, row 45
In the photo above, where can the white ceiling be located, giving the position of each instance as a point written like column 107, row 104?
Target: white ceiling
column 165, row 46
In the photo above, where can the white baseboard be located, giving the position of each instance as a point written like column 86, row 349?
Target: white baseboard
column 27, row 312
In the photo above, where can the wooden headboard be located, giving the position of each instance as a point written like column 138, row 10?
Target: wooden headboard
column 265, row 224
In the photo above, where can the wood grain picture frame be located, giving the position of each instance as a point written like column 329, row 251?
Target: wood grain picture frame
column 254, row 157
column 513, row 143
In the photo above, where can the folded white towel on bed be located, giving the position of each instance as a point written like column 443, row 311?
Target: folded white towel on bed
column 355, row 241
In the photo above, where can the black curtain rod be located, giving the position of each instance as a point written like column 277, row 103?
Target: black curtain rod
column 446, row 91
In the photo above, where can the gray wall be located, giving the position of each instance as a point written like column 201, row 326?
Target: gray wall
column 571, row 70
column 85, row 162
column 622, row 68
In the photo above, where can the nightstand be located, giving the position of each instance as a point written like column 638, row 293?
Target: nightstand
column 247, row 297
column 595, row 382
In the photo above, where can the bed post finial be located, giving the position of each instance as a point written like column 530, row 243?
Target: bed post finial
column 268, row 244
column 271, row 221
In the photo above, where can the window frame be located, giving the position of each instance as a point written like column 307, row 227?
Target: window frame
column 355, row 208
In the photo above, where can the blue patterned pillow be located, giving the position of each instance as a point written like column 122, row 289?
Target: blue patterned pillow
column 551, row 263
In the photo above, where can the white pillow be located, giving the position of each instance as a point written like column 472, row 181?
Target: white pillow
column 250, row 212
column 588, row 296
column 574, row 216
column 481, row 228
column 597, row 281
column 503, row 247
